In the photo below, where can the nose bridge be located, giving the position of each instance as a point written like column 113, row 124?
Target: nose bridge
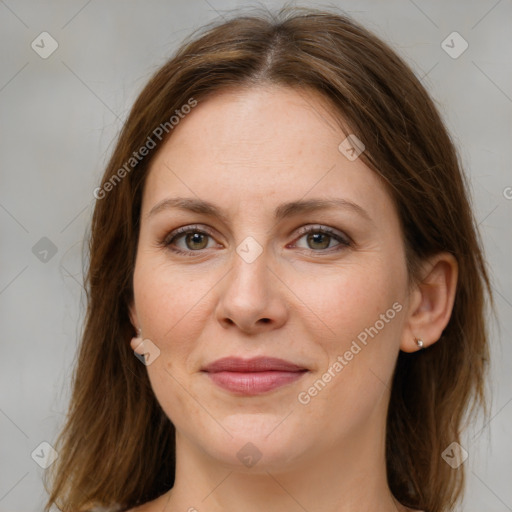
column 249, row 279
column 251, row 296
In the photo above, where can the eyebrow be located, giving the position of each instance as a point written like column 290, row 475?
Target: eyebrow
column 284, row 210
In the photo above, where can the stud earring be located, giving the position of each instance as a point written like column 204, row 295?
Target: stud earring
column 419, row 342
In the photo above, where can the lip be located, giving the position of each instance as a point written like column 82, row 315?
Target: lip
column 255, row 364
column 253, row 376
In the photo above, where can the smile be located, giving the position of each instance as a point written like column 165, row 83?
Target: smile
column 253, row 376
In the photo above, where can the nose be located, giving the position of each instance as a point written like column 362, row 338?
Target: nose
column 252, row 297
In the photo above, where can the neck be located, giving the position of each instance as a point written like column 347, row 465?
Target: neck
column 349, row 477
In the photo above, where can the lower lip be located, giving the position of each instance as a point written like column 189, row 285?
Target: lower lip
column 254, row 383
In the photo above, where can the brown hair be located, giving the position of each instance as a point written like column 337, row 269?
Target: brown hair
column 117, row 446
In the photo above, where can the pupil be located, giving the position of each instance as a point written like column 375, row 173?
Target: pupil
column 195, row 238
column 317, row 238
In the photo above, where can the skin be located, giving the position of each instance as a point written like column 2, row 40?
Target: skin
column 302, row 300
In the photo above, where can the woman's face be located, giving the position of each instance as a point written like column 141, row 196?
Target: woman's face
column 261, row 269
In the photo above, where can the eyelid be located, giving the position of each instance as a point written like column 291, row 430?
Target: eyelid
column 171, row 237
column 197, row 228
column 344, row 238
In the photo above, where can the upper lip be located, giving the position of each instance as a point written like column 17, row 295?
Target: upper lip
column 255, row 364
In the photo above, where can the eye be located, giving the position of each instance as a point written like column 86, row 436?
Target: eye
column 193, row 240
column 320, row 238
column 188, row 240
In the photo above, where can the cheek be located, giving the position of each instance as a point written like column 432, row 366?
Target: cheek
column 170, row 303
column 362, row 310
column 352, row 299
column 170, row 309
column 357, row 364
column 364, row 306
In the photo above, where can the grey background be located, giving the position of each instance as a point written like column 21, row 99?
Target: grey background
column 59, row 118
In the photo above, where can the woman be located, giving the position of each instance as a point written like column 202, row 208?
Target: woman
column 286, row 288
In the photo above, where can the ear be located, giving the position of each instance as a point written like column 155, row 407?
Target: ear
column 136, row 342
column 134, row 319
column 431, row 302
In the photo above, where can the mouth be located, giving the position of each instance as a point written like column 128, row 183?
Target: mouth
column 253, row 376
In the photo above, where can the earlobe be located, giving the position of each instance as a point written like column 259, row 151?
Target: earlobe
column 137, row 343
column 431, row 303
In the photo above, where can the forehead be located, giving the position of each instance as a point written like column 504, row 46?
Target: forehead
column 261, row 146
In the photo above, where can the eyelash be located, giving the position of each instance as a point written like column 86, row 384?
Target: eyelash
column 344, row 242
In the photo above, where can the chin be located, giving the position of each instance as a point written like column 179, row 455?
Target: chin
column 259, row 443
column 254, row 456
